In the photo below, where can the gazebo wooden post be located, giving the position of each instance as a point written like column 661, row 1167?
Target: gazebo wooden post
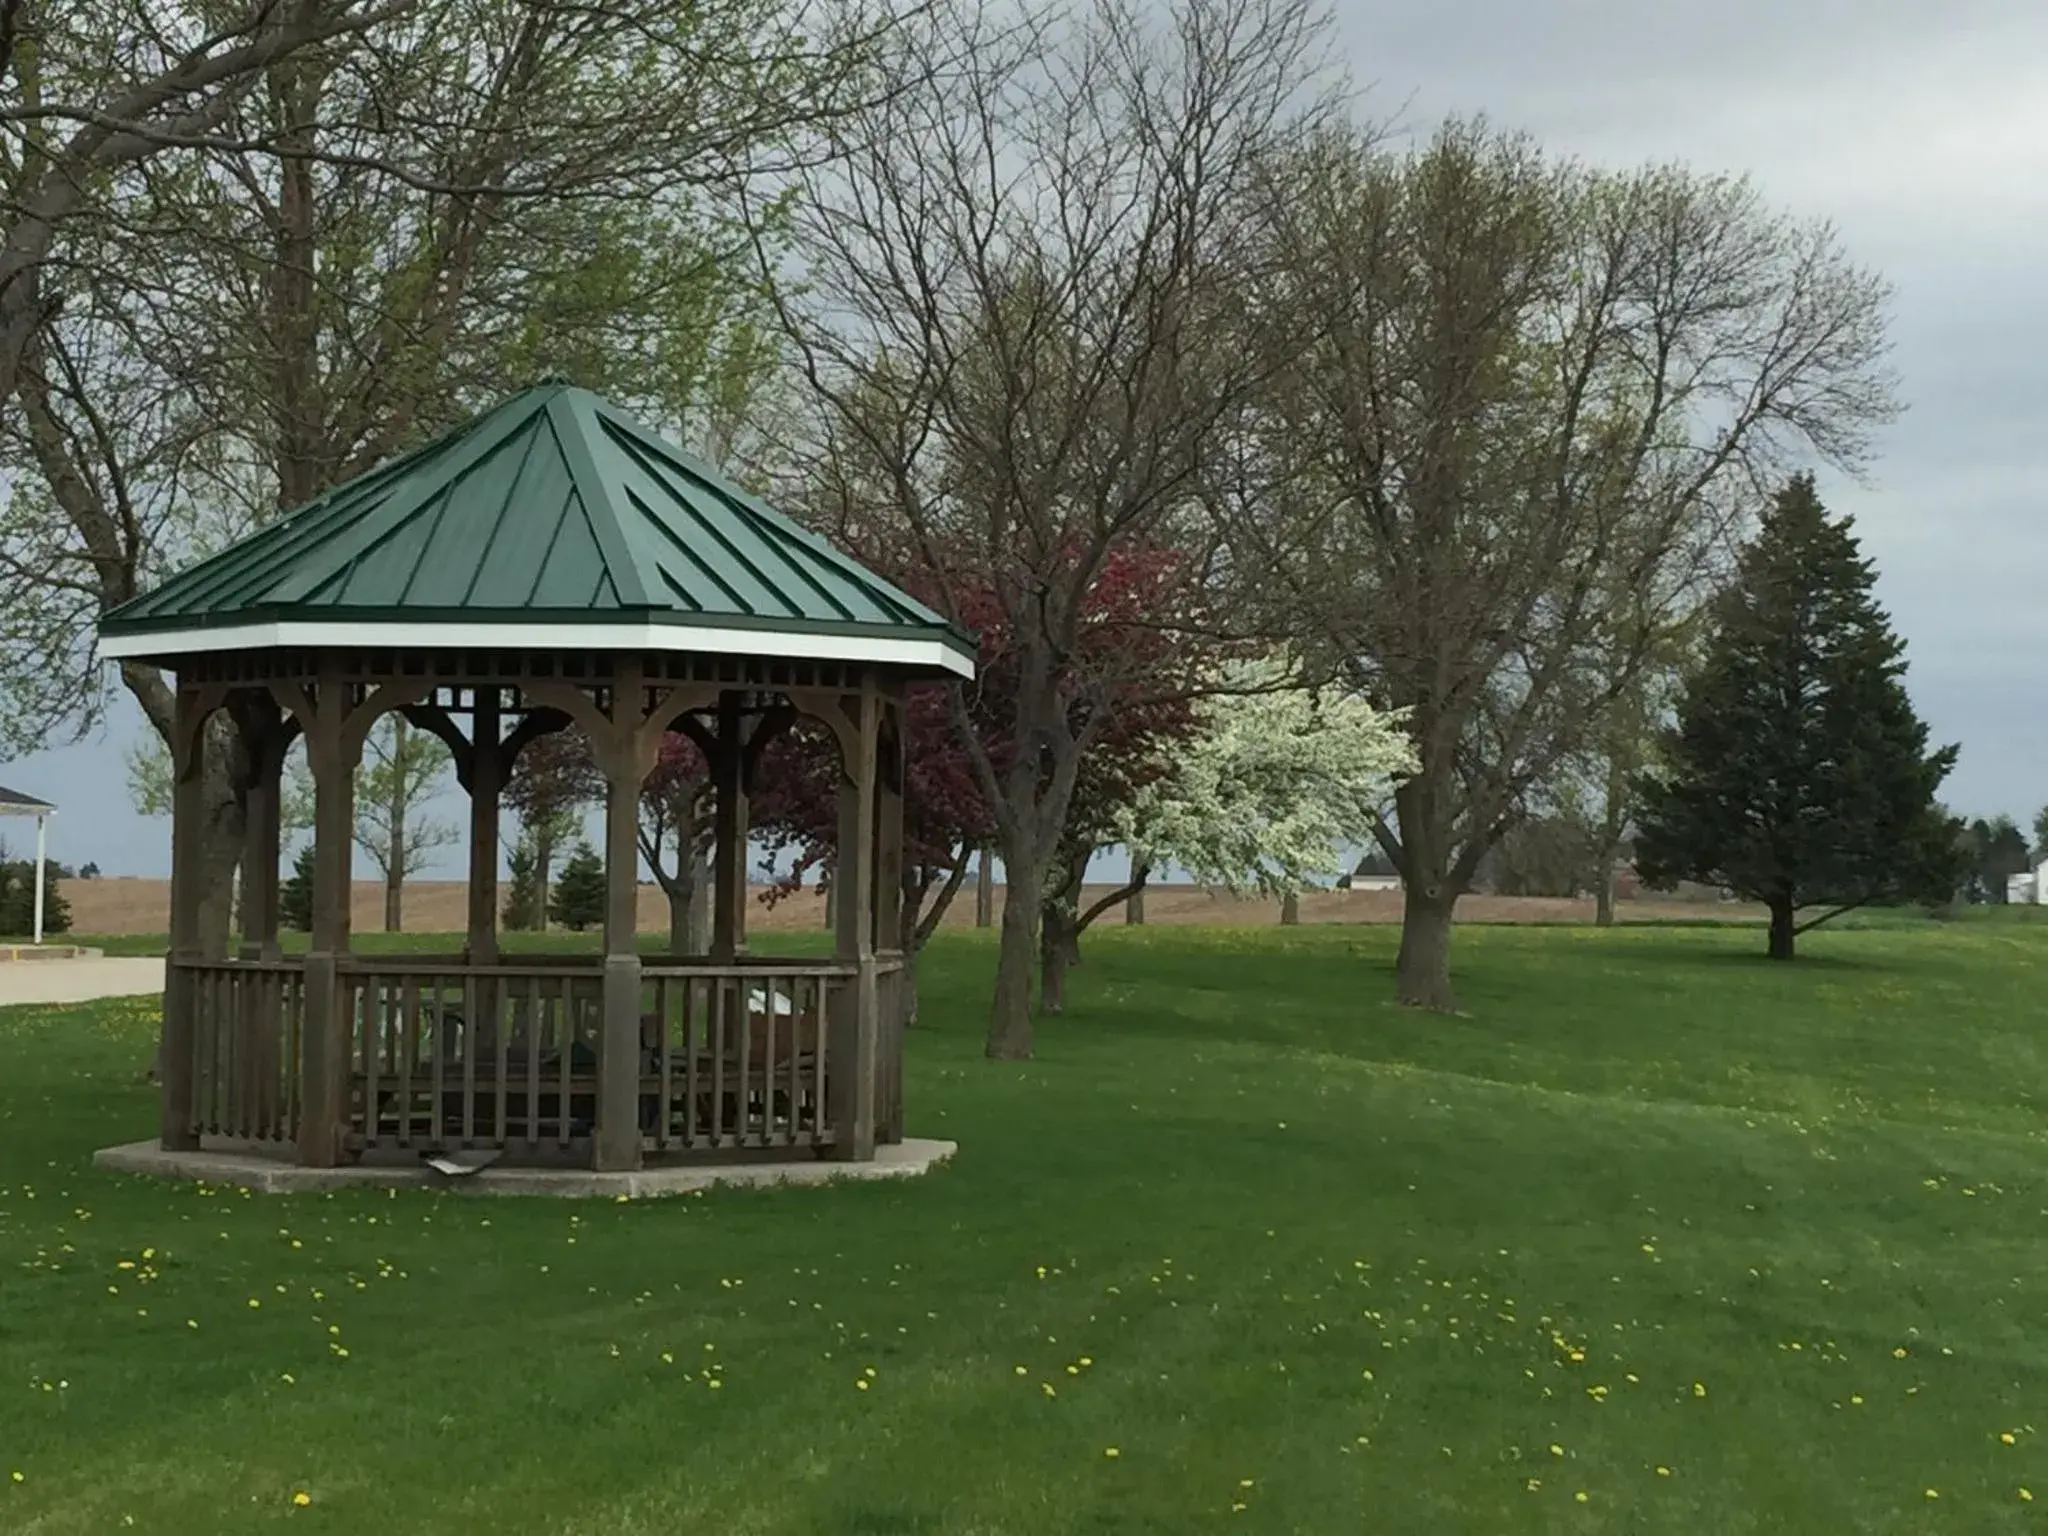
column 729, row 834
column 850, row 1052
column 616, row 1145
column 486, row 783
column 481, row 1023
column 263, row 836
column 889, row 936
column 258, row 1020
column 179, row 1133
column 329, row 1022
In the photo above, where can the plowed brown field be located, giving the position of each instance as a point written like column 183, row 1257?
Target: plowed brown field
column 437, row 906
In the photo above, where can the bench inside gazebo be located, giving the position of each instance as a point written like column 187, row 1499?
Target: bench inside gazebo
column 552, row 564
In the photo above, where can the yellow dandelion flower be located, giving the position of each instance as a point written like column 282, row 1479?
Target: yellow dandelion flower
column 2007, row 1438
column 1557, row 1450
column 1663, row 1471
column 1111, row 1452
column 302, row 1498
column 1934, row 1493
column 1244, row 1482
column 1021, row 1371
column 1699, row 1389
column 2026, row 1497
column 1899, row 1353
column 1579, row 1497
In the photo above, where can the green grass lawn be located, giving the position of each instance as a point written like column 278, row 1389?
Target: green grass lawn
column 1659, row 1238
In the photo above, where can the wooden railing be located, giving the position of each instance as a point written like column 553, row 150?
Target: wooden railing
column 444, row 1056
column 248, row 1017
column 731, row 1057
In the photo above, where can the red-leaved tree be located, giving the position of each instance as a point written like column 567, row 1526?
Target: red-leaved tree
column 1135, row 708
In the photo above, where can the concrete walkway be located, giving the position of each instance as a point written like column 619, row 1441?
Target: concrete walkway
column 77, row 981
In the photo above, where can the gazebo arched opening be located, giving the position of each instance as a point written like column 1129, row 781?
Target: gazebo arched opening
column 551, row 564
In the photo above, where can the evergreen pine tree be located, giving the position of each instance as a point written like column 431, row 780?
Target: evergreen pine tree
column 1799, row 775
column 579, row 895
column 295, row 896
column 18, row 895
column 523, row 893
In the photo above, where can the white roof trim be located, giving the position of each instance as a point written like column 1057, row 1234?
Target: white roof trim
column 286, row 634
column 37, row 811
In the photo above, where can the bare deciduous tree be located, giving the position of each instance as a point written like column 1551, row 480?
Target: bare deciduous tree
column 1541, row 402
column 1021, row 320
column 90, row 90
column 359, row 245
column 402, row 768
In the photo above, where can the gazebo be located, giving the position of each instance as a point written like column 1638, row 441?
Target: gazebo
column 553, row 563
column 15, row 803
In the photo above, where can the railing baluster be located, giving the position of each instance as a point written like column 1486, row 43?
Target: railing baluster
column 768, row 1066
column 533, row 1027
column 223, row 1044
column 373, row 1060
column 566, row 1034
column 499, row 1001
column 664, row 1103
column 294, row 1001
column 691, row 1129
column 792, row 1048
column 818, row 1059
column 437, row 1004
column 717, row 1031
column 468, row 1037
column 743, row 997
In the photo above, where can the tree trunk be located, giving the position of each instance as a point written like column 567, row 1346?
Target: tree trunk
column 394, row 854
column 1290, row 909
column 222, row 835
column 1134, row 908
column 1603, row 895
column 985, row 889
column 1056, row 948
column 543, row 866
column 680, row 902
column 1423, row 971
column 1783, row 921
column 907, row 985
column 1009, row 1021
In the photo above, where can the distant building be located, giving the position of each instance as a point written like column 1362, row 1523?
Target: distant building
column 1375, row 872
column 2029, row 890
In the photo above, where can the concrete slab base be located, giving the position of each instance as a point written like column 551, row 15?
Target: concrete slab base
column 915, row 1155
column 46, row 952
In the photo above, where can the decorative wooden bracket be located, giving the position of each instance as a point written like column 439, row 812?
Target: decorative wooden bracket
column 437, row 722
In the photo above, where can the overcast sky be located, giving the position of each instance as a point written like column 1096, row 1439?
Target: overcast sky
column 1920, row 130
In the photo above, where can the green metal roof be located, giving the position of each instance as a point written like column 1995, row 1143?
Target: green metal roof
column 555, row 510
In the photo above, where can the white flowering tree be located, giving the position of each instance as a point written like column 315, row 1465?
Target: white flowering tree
column 1273, row 782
